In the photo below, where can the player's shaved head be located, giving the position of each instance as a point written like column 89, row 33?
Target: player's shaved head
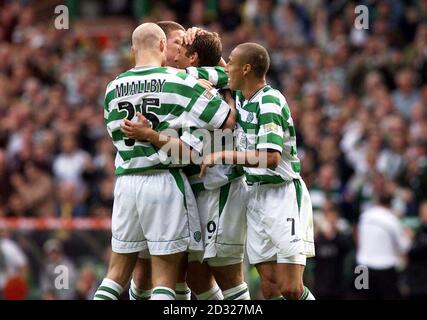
column 254, row 55
column 147, row 36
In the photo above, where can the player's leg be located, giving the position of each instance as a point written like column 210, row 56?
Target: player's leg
column 260, row 249
column 199, row 275
column 225, row 238
column 229, row 276
column 141, row 285
column 293, row 240
column 202, row 282
column 182, row 289
column 119, row 272
column 164, row 194
column 165, row 275
column 268, row 280
column 127, row 239
column 290, row 281
column 307, row 235
column 275, row 236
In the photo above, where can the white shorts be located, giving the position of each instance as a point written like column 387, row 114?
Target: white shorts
column 278, row 227
column 157, row 211
column 223, row 218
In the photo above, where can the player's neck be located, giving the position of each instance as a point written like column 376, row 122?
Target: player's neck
column 251, row 88
column 147, row 61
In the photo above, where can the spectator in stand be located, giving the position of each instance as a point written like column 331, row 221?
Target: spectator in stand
column 406, row 95
column 69, row 201
column 381, row 241
column 13, row 269
column 5, row 172
column 36, row 189
column 70, row 165
column 333, row 243
column 87, row 284
column 326, row 187
column 57, row 265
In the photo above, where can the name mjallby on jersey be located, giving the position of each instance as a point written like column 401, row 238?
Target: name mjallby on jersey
column 135, row 87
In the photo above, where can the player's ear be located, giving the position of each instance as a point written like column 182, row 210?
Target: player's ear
column 162, row 45
column 194, row 57
column 246, row 69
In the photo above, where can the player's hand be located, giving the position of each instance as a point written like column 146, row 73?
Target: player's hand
column 205, row 83
column 209, row 161
column 191, row 34
column 139, row 130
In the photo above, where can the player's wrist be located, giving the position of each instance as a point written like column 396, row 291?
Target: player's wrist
column 152, row 135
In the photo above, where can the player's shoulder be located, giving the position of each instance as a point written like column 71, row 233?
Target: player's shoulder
column 179, row 76
column 269, row 95
column 169, row 74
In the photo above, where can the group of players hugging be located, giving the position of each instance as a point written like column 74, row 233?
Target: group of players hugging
column 206, row 168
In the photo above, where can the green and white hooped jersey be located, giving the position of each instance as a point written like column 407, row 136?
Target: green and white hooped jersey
column 168, row 99
column 218, row 175
column 215, row 75
column 264, row 122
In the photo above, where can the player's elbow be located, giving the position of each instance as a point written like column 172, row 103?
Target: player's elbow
column 273, row 159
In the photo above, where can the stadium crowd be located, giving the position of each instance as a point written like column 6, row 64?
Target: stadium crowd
column 358, row 99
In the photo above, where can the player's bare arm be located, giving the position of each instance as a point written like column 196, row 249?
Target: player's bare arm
column 255, row 159
column 141, row 130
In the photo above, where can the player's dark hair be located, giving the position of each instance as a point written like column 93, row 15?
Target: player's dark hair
column 208, row 47
column 255, row 55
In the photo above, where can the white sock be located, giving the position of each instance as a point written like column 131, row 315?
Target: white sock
column 108, row 290
column 213, row 293
column 182, row 291
column 237, row 293
column 138, row 294
column 307, row 295
column 162, row 293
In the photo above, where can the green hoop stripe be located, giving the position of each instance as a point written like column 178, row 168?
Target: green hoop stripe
column 264, row 179
column 223, row 196
column 109, row 290
column 138, row 297
column 304, row 294
column 163, row 291
column 238, row 294
column 298, row 190
column 101, row 296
